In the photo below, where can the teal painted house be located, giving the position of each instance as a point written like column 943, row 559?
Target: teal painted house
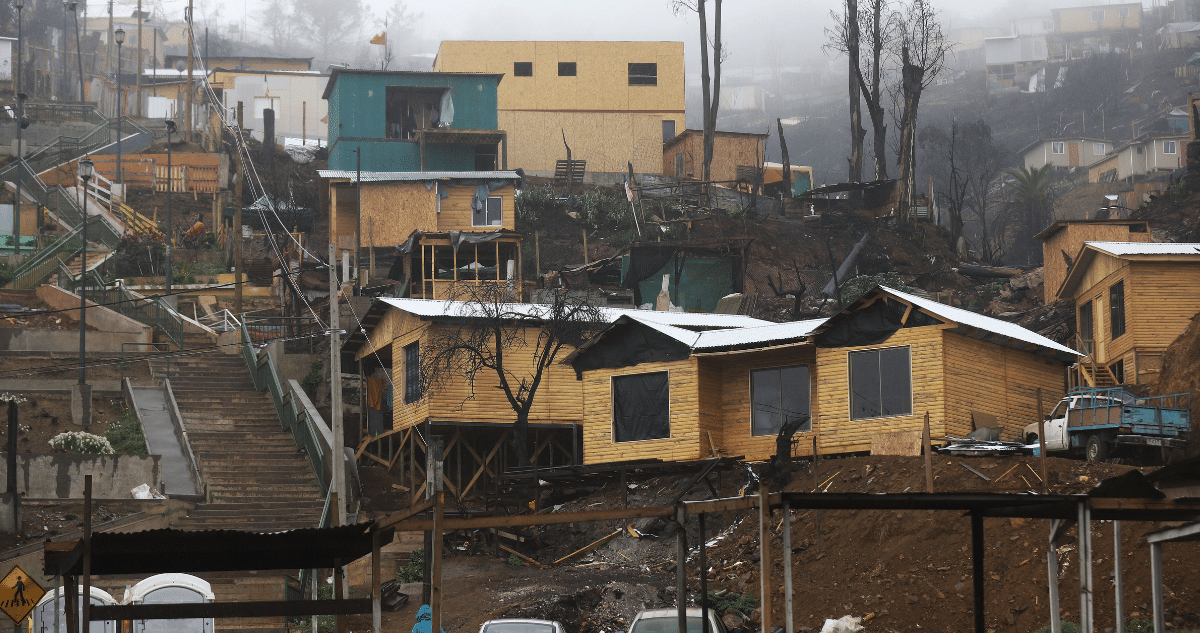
column 414, row 121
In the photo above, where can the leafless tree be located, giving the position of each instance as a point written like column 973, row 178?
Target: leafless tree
column 332, row 28
column 923, row 50
column 964, row 163
column 487, row 340
column 878, row 20
column 710, row 87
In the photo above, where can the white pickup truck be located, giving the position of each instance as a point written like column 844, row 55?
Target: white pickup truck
column 1098, row 423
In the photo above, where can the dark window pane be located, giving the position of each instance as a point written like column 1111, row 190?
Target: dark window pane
column 643, row 74
column 795, row 397
column 495, row 207
column 522, row 69
column 412, row 373
column 1086, row 322
column 668, row 130
column 765, row 415
column 864, row 385
column 895, row 381
column 566, row 69
column 641, row 407
column 1116, row 304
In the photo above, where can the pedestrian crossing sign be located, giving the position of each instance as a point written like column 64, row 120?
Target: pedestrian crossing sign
column 19, row 594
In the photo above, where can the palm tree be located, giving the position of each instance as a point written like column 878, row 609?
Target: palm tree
column 1031, row 198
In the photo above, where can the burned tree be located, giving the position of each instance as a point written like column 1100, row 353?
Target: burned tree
column 710, row 88
column 923, row 49
column 492, row 343
column 866, row 58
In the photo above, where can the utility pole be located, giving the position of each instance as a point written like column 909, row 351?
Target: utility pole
column 110, row 39
column 191, row 61
column 237, row 219
column 358, row 281
column 338, row 476
column 139, row 49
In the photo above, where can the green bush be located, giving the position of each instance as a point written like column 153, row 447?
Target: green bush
column 743, row 603
column 82, row 443
column 414, row 571
column 125, row 434
column 313, row 379
column 513, row 561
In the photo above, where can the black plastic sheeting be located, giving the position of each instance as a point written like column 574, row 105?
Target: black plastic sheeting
column 457, row 239
column 641, row 407
column 642, row 265
column 628, row 343
column 872, row 325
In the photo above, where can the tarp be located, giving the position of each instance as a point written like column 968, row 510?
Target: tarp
column 630, row 344
column 697, row 283
column 457, row 238
column 872, row 325
column 641, row 407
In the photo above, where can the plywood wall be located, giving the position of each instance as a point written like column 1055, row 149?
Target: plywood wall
column 456, row 209
column 729, row 152
column 839, row 434
column 684, row 443
column 1070, row 239
column 1000, row 381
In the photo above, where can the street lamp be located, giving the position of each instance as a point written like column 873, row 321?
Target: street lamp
column 170, row 231
column 119, row 35
column 87, row 170
column 22, row 123
column 72, row 7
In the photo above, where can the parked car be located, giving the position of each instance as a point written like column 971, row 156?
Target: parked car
column 667, row 621
column 520, row 625
column 1095, row 423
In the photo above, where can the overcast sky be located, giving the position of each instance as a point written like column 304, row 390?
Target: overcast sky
column 754, row 29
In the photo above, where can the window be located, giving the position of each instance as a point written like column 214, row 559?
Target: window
column 668, row 130
column 492, row 213
column 679, row 165
column 1139, row 149
column 643, row 74
column 1086, row 327
column 1116, row 309
column 1124, row 12
column 1099, row 149
column 1058, row 147
column 412, row 373
column 1168, row 147
column 641, row 407
column 522, row 69
column 265, row 103
column 880, row 383
column 1118, row 371
column 779, row 395
column 566, row 69
column 1098, row 15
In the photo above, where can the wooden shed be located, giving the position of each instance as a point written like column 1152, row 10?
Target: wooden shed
column 1062, row 240
column 1132, row 299
column 654, row 391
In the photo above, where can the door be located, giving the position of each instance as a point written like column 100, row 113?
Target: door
column 1073, row 154
column 1056, row 428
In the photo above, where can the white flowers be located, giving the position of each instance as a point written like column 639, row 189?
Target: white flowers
column 8, row 397
column 81, row 442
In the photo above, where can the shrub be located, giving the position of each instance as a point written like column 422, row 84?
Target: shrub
column 743, row 603
column 81, row 442
column 313, row 379
column 858, row 286
column 414, row 571
column 125, row 434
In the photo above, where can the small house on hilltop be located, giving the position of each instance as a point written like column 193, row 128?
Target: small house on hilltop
column 878, row 367
column 1132, row 299
column 1064, row 152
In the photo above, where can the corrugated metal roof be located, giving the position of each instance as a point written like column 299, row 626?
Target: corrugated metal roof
column 674, row 320
column 1122, row 249
column 979, row 321
column 393, row 176
column 752, row 336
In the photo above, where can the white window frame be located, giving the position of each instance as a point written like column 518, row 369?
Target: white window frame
column 1099, row 149
column 1058, row 147
column 1170, row 147
column 500, row 201
column 612, row 408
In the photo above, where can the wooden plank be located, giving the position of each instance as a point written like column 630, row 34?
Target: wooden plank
column 905, row 443
column 523, row 557
column 435, row 567
column 590, row 546
column 396, row 517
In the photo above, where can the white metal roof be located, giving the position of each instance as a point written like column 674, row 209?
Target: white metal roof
column 676, row 320
column 976, row 320
column 1122, row 249
column 394, row 176
column 760, row 335
column 199, row 585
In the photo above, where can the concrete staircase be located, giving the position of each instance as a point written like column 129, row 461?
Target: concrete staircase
column 256, row 478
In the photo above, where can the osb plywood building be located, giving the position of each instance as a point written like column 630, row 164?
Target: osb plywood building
column 1062, row 240
column 447, row 227
column 652, row 390
column 683, row 156
column 613, row 102
column 1132, row 299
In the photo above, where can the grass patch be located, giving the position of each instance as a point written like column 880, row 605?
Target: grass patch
column 126, row 435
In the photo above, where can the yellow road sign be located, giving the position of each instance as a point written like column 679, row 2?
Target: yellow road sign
column 19, row 594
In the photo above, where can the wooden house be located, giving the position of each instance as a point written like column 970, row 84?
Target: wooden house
column 474, row 419
column 1062, row 240
column 737, row 156
column 878, row 367
column 1132, row 299
column 444, row 227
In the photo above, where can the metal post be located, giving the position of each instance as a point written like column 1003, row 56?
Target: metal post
column 704, row 625
column 358, row 215
column 190, row 86
column 85, row 623
column 435, row 570
column 977, row 567
column 1120, row 596
column 1156, row 587
column 680, row 567
column 764, row 556
column 1052, row 579
column 1085, row 569
column 170, row 229
column 787, row 566
column 85, row 174
column 13, row 432
column 237, row 219
column 376, row 613
column 20, row 156
column 120, row 38
column 1042, row 443
column 78, row 49
column 338, row 479
column 139, row 58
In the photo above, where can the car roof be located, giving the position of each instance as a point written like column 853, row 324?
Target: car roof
column 521, row 621
column 668, row 613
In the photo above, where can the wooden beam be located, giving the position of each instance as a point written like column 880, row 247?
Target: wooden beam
column 397, row 517
column 764, row 554
column 522, row 556
column 435, row 569
column 262, row 608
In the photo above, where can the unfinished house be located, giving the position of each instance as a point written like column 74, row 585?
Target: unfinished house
column 1132, row 299
column 1062, row 240
column 737, row 157
column 876, row 368
column 413, row 121
column 612, row 103
column 1014, row 61
column 474, row 419
column 1094, row 30
column 437, row 228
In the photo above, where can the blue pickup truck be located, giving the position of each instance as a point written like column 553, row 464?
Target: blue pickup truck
column 1098, row 423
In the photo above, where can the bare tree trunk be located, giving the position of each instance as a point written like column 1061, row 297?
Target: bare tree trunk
column 911, row 78
column 521, row 439
column 712, row 97
column 857, row 133
column 874, row 105
column 705, row 95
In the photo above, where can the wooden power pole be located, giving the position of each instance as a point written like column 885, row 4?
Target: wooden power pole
column 237, row 218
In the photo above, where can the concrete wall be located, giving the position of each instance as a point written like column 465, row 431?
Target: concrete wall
column 111, row 328
column 60, row 475
column 101, row 318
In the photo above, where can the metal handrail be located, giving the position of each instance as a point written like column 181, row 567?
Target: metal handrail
column 220, row 321
column 32, row 271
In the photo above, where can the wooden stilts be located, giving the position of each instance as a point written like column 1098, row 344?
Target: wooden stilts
column 764, row 553
column 787, row 566
column 435, row 576
column 927, row 446
column 681, row 567
column 376, row 592
column 704, row 624
column 1052, row 578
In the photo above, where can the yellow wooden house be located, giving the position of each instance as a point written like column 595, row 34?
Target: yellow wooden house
column 445, row 227
column 1062, row 240
column 651, row 390
column 1132, row 299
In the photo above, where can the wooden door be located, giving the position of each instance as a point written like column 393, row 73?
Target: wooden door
column 1073, row 154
